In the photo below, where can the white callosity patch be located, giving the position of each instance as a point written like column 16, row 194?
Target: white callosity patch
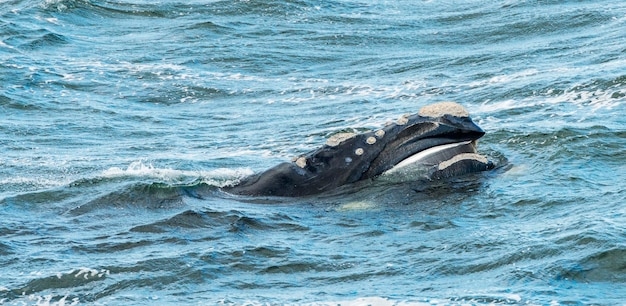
column 444, row 108
column 404, row 119
column 338, row 138
column 464, row 156
column 301, row 162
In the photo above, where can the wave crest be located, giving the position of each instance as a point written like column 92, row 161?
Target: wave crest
column 218, row 177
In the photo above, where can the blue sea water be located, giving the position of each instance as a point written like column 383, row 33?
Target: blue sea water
column 120, row 120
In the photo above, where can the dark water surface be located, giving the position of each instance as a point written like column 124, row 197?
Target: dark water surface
column 120, row 120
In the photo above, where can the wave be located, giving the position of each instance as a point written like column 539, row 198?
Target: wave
column 28, row 38
column 564, row 144
column 605, row 265
column 598, row 94
column 109, row 8
column 177, row 9
column 230, row 221
column 144, row 186
column 62, row 280
column 140, row 185
column 139, row 169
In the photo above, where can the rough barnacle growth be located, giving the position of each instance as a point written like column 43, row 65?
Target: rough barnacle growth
column 444, row 108
column 380, row 133
column 301, row 162
column 371, row 140
column 338, row 138
column 403, row 119
column 359, row 151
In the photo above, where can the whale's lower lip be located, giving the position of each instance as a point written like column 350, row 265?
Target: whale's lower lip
column 433, row 156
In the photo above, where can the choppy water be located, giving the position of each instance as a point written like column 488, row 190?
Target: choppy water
column 120, row 119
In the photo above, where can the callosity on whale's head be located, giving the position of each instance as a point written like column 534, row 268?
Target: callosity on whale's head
column 441, row 135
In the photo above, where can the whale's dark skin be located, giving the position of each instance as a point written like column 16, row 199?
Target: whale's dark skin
column 367, row 155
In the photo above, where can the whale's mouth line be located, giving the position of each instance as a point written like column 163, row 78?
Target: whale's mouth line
column 434, row 155
column 440, row 138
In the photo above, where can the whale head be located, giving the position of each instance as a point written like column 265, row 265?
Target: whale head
column 438, row 133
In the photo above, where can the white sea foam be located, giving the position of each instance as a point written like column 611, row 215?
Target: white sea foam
column 505, row 78
column 20, row 184
column 217, row 177
column 88, row 273
column 3, row 44
column 597, row 99
column 490, row 106
column 52, row 300
column 32, row 181
column 46, row 300
column 593, row 100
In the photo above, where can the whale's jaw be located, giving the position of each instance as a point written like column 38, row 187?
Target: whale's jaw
column 440, row 162
column 421, row 136
column 432, row 157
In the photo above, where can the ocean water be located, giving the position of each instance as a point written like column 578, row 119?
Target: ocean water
column 120, row 120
